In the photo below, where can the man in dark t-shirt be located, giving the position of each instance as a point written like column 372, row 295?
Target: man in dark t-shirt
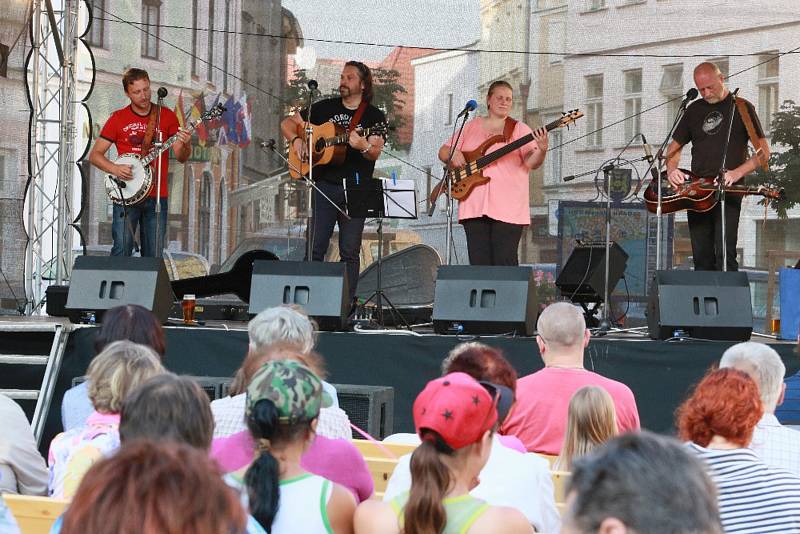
column 355, row 86
column 705, row 125
column 126, row 129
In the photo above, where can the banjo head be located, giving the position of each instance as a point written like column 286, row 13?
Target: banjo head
column 129, row 191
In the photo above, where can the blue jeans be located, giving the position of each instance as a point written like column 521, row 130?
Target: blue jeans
column 141, row 215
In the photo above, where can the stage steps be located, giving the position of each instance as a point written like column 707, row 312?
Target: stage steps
column 23, row 343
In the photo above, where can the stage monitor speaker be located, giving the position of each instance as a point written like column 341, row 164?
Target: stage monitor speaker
column 582, row 279
column 320, row 288
column 99, row 283
column 370, row 408
column 475, row 299
column 703, row 304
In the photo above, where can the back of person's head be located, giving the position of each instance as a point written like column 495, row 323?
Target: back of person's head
column 117, row 371
column 132, row 323
column 282, row 324
column 763, row 364
column 561, row 326
column 452, row 415
column 725, row 403
column 148, row 487
column 481, row 362
column 283, row 401
column 255, row 359
column 168, row 407
column 641, row 482
column 591, row 421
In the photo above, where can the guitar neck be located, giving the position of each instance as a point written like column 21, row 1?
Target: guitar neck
column 344, row 138
column 149, row 158
column 483, row 161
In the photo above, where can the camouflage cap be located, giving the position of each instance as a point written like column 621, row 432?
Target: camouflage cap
column 296, row 391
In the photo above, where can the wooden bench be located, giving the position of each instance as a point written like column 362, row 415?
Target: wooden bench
column 35, row 515
column 380, row 464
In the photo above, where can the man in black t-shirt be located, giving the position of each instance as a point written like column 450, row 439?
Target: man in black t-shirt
column 705, row 125
column 355, row 86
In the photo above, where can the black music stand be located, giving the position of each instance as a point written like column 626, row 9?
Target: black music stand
column 381, row 199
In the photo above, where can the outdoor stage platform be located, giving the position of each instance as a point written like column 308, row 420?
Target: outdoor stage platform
column 659, row 372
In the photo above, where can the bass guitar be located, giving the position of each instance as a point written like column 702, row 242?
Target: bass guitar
column 132, row 191
column 465, row 179
column 329, row 143
column 698, row 194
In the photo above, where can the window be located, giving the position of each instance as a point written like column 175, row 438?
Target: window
column 194, row 38
column 449, row 107
column 633, row 103
column 552, row 167
column 768, row 73
column 205, row 213
column 96, row 36
column 151, row 17
column 671, row 88
column 210, row 58
column 594, row 5
column 594, row 111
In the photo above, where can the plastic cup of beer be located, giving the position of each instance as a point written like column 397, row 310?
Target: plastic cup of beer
column 188, row 309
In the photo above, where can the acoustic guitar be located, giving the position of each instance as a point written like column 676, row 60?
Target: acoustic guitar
column 467, row 178
column 698, row 194
column 329, row 142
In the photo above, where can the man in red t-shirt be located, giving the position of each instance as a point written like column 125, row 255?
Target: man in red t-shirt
column 126, row 130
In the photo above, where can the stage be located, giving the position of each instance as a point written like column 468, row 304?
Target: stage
column 659, row 372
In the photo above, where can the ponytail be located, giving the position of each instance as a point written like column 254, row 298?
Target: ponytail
column 430, row 479
column 262, row 477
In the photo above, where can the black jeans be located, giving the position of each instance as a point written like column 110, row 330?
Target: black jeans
column 705, row 230
column 324, row 218
column 492, row 242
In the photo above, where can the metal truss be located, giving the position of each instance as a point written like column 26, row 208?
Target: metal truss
column 51, row 74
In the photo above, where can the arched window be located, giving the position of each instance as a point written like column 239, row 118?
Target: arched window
column 205, row 213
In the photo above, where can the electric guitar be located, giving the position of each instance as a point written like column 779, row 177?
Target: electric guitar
column 329, row 143
column 698, row 194
column 132, row 191
column 465, row 179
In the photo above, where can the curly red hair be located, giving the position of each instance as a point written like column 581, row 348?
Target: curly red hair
column 725, row 403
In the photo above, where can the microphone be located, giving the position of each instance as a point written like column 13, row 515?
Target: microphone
column 120, row 183
column 268, row 144
column 162, row 92
column 569, row 178
column 312, row 85
column 691, row 94
column 648, row 155
column 471, row 105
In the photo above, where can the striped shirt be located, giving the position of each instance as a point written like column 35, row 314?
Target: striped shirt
column 753, row 498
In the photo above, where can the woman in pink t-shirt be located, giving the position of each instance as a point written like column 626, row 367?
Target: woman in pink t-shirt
column 494, row 214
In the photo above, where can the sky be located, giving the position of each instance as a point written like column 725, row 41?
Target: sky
column 425, row 23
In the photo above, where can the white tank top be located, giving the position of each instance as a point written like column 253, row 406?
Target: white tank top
column 303, row 506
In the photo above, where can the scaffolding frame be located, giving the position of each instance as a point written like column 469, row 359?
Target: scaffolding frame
column 51, row 71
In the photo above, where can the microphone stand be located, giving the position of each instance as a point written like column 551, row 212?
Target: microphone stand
column 721, row 188
column 158, row 144
column 449, row 181
column 309, row 131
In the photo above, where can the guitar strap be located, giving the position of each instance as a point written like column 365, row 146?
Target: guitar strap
column 744, row 113
column 357, row 115
column 508, row 131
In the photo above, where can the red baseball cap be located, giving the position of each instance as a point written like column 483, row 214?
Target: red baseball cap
column 457, row 407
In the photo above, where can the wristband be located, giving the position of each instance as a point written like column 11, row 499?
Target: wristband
column 369, row 147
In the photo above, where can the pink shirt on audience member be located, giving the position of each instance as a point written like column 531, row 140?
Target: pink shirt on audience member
column 506, row 196
column 338, row 460
column 539, row 417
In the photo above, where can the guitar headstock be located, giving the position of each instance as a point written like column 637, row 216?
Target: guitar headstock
column 213, row 113
column 569, row 117
column 381, row 128
column 774, row 194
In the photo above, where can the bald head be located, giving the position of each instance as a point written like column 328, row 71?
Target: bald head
column 562, row 326
column 707, row 67
column 710, row 83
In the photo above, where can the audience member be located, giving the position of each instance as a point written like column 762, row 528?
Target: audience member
column 22, row 468
column 147, row 487
column 113, row 373
column 776, row 445
column 8, row 525
column 273, row 333
column 591, row 421
column 168, row 407
column 510, row 477
column 130, row 322
column 718, row 420
column 283, row 402
column 640, row 483
column 539, row 417
column 788, row 413
column 455, row 417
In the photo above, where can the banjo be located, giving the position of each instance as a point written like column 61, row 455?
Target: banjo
column 132, row 191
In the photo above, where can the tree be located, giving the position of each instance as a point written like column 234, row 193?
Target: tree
column 784, row 172
column 386, row 96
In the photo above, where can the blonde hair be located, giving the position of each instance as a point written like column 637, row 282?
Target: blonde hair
column 591, row 421
column 118, row 370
